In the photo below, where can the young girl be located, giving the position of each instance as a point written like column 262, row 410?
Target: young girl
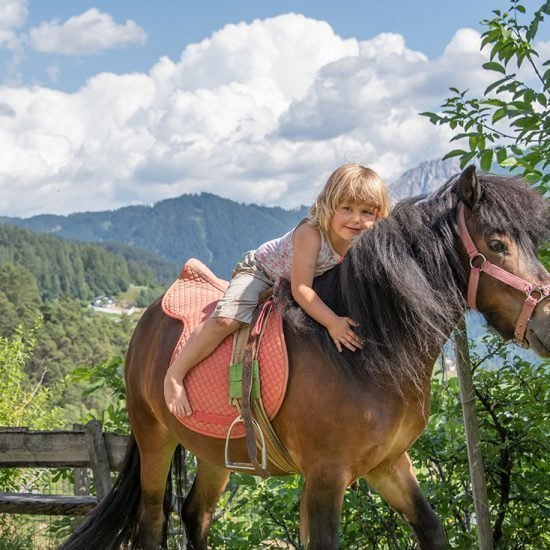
column 350, row 202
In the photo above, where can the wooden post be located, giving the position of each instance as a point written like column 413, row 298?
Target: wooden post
column 98, row 458
column 471, row 427
column 81, row 477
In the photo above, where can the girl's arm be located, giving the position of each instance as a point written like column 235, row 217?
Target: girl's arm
column 307, row 244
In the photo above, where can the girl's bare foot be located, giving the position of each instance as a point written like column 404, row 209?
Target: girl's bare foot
column 175, row 396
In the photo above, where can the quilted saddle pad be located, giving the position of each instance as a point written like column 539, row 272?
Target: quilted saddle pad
column 191, row 299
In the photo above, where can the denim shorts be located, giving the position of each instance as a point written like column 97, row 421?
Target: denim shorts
column 243, row 293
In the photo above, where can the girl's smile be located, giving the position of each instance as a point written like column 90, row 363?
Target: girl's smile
column 348, row 221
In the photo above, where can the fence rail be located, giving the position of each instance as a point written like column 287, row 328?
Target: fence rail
column 81, row 449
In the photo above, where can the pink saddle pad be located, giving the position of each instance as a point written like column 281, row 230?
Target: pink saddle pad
column 191, row 299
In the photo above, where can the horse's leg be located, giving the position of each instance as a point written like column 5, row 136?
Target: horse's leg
column 209, row 484
column 398, row 485
column 156, row 447
column 321, row 506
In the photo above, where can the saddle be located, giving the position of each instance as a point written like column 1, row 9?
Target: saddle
column 191, row 299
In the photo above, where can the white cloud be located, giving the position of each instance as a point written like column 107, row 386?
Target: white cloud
column 90, row 32
column 259, row 112
column 287, row 50
column 376, row 96
column 13, row 14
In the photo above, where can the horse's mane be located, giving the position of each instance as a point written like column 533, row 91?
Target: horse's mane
column 403, row 281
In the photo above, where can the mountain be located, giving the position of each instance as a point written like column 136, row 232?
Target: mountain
column 215, row 230
column 424, row 178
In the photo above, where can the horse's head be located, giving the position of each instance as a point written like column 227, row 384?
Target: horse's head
column 501, row 222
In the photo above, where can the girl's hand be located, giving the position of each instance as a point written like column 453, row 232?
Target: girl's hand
column 342, row 334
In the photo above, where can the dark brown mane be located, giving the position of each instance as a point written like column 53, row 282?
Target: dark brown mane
column 403, row 281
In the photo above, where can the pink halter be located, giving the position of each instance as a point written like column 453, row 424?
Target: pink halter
column 478, row 263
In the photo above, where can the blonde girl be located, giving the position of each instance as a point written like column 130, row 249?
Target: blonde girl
column 353, row 198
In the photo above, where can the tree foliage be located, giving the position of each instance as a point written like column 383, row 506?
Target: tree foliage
column 107, row 378
column 511, row 409
column 78, row 270
column 24, row 401
column 509, row 124
column 20, row 299
column 70, row 338
column 67, row 336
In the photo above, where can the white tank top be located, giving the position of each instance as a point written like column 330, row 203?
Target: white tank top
column 275, row 257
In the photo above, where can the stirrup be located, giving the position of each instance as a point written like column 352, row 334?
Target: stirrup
column 244, row 465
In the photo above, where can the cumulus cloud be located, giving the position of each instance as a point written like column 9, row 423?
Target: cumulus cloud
column 13, row 14
column 376, row 96
column 258, row 112
column 91, row 32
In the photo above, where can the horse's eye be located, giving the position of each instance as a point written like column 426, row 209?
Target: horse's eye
column 497, row 246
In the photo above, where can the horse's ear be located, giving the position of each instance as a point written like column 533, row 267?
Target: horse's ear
column 469, row 190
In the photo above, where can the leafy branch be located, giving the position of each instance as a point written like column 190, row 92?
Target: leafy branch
column 509, row 125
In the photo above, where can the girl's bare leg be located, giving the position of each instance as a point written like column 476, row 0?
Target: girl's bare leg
column 202, row 342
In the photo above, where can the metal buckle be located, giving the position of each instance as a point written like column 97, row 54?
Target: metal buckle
column 542, row 291
column 478, row 255
column 244, row 465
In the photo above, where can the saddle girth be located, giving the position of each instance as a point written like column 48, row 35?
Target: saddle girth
column 252, row 412
column 250, row 352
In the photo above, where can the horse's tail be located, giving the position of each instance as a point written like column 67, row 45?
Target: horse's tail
column 114, row 520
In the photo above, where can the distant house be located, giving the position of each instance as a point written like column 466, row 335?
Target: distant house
column 102, row 301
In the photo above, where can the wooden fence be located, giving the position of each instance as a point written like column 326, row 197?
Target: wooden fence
column 81, row 449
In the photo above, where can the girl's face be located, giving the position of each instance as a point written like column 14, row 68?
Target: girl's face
column 349, row 220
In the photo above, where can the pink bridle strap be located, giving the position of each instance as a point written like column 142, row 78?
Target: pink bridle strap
column 478, row 263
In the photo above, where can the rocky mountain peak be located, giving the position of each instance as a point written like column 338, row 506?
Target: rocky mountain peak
column 424, row 178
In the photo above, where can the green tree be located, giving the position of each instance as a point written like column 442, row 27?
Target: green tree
column 72, row 337
column 80, row 270
column 509, row 124
column 106, row 378
column 19, row 298
column 23, row 401
column 27, row 403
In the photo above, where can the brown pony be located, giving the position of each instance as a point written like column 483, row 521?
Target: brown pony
column 347, row 415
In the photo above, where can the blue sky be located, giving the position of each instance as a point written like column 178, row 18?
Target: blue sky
column 426, row 25
column 108, row 103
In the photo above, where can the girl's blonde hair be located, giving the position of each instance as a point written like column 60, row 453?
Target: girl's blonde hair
column 350, row 183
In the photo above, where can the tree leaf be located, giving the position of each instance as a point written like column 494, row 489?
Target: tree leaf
column 498, row 114
column 510, row 161
column 501, row 155
column 455, row 153
column 486, row 159
column 494, row 66
column 495, row 84
column 466, row 159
